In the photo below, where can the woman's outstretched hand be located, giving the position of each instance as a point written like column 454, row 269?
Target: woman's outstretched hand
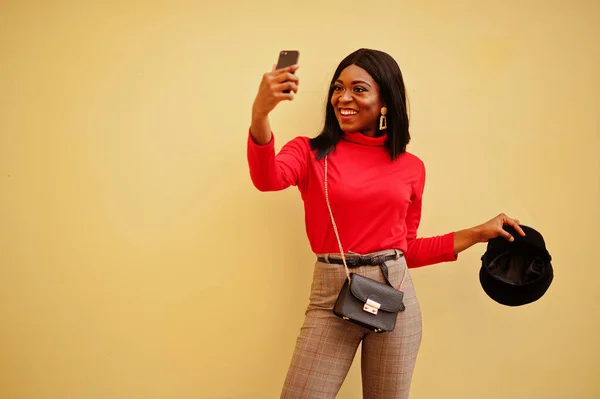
column 272, row 87
column 270, row 93
column 493, row 228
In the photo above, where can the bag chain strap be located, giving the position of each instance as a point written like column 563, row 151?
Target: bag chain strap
column 336, row 231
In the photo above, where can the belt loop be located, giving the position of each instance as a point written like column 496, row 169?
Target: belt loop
column 397, row 252
column 327, row 257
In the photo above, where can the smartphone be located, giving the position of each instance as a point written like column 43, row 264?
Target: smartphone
column 287, row 58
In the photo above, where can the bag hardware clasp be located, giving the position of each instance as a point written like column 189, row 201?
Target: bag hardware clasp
column 371, row 306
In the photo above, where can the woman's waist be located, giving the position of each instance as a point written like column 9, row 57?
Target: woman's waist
column 325, row 242
column 354, row 259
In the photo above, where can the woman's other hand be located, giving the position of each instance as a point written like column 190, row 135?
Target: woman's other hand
column 493, row 228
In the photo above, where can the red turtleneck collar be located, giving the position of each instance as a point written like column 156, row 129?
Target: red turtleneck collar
column 359, row 138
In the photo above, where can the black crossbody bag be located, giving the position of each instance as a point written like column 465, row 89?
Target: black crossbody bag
column 365, row 301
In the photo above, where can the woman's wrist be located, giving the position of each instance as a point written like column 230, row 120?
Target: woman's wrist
column 476, row 234
column 260, row 128
column 464, row 239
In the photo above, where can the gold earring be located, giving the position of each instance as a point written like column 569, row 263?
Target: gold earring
column 383, row 119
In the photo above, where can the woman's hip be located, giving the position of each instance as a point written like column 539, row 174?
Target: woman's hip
column 330, row 274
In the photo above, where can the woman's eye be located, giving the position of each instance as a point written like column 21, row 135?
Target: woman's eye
column 354, row 89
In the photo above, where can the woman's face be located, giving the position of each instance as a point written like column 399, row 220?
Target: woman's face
column 356, row 101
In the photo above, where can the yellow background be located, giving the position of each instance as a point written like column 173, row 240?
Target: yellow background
column 138, row 261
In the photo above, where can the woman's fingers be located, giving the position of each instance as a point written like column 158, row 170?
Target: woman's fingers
column 285, row 96
column 285, row 86
column 515, row 224
column 288, row 69
column 285, row 77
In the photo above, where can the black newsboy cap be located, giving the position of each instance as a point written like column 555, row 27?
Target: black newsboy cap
column 519, row 272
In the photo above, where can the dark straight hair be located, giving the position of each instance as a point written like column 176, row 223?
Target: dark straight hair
column 386, row 73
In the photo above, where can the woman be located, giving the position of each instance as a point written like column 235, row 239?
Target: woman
column 374, row 189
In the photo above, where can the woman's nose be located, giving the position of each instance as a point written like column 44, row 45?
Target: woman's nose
column 345, row 96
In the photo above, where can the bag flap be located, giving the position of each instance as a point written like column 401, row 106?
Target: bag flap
column 364, row 288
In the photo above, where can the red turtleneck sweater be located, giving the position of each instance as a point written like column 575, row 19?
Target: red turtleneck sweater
column 376, row 203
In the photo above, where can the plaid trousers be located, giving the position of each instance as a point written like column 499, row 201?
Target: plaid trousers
column 326, row 345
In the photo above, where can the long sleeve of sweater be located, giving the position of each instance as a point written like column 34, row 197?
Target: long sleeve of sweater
column 274, row 172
